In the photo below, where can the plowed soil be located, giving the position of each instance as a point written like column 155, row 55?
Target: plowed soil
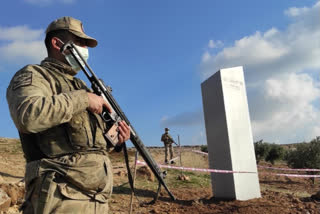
column 279, row 194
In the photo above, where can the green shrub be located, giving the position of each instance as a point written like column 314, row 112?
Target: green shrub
column 204, row 148
column 276, row 152
column 268, row 152
column 261, row 150
column 306, row 155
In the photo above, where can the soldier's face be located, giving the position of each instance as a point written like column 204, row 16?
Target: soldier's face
column 77, row 40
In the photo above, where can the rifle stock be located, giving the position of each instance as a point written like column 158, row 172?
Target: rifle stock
column 117, row 114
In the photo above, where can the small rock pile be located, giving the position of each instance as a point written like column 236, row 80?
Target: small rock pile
column 183, row 178
column 11, row 194
column 145, row 172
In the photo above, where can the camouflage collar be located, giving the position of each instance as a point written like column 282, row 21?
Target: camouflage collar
column 55, row 64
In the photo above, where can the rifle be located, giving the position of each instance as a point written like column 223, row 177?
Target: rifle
column 112, row 119
column 174, row 142
column 170, row 140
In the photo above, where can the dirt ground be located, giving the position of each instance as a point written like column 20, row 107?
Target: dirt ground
column 279, row 194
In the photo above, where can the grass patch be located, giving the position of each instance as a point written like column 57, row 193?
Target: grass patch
column 300, row 194
column 196, row 179
column 189, row 159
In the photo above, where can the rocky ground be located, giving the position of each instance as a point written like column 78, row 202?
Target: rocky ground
column 279, row 194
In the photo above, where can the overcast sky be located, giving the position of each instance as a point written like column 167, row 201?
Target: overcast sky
column 155, row 55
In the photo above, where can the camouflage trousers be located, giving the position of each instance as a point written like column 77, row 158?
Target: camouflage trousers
column 45, row 196
column 168, row 146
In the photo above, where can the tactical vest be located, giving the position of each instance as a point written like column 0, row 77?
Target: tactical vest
column 82, row 133
column 166, row 138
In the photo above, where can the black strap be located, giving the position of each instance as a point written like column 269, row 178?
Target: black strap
column 125, row 152
column 130, row 178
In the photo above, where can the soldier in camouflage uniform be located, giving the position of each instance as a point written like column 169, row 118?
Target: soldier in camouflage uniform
column 61, row 132
column 168, row 141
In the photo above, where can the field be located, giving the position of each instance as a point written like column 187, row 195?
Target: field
column 280, row 194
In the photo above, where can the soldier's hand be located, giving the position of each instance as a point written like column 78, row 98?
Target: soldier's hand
column 124, row 132
column 96, row 103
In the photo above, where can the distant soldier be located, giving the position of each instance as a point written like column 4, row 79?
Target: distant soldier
column 167, row 140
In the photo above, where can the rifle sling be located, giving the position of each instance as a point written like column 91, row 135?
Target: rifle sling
column 130, row 178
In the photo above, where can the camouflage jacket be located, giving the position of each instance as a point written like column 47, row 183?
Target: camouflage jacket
column 166, row 138
column 48, row 106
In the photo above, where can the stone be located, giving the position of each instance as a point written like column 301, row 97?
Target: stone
column 14, row 191
column 296, row 200
column 5, row 201
column 183, row 178
column 145, row 172
column 229, row 135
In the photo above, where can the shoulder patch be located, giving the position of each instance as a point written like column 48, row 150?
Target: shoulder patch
column 24, row 79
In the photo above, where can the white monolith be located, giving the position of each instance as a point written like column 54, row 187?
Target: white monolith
column 229, row 135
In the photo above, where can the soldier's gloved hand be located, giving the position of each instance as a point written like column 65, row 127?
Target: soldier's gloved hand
column 124, row 132
column 96, row 103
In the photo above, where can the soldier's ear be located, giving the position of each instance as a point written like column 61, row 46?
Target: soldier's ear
column 56, row 43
